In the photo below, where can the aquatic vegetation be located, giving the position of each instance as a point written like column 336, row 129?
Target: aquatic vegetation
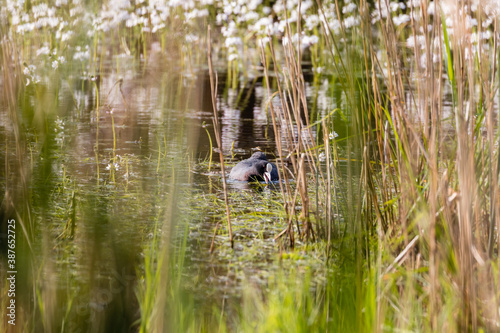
column 381, row 118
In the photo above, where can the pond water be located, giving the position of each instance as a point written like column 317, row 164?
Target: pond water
column 124, row 146
column 111, row 172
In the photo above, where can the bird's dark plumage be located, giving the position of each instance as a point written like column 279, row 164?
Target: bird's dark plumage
column 254, row 169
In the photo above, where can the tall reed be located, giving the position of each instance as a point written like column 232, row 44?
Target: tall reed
column 425, row 195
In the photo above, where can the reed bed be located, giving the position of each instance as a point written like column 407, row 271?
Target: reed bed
column 393, row 187
column 424, row 211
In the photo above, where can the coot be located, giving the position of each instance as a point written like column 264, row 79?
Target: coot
column 256, row 168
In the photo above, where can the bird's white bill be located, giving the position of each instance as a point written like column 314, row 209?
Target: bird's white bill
column 267, row 177
column 267, row 174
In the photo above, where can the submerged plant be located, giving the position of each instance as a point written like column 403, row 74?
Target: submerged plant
column 381, row 116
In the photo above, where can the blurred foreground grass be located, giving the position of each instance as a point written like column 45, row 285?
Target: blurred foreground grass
column 392, row 227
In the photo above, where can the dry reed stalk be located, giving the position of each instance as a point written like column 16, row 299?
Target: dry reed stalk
column 218, row 135
column 410, row 137
column 275, row 117
column 465, row 123
column 283, row 176
column 304, row 216
column 490, row 91
column 295, row 90
column 328, row 207
column 417, row 169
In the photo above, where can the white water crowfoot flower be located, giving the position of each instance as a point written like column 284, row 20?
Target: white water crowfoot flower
column 333, row 135
column 305, row 40
column 263, row 41
column 349, row 8
column 59, row 130
column 351, row 21
column 58, row 61
column 31, row 76
column 401, row 19
column 311, row 21
column 232, row 57
column 43, row 51
column 81, row 54
column 114, row 166
column 59, row 124
column 319, row 69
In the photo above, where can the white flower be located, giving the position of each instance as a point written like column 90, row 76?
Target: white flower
column 221, row 17
column 313, row 40
column 114, row 166
column 486, row 35
column 420, row 41
column 394, row 6
column 55, row 64
column 81, row 54
column 40, row 10
column 232, row 56
column 158, row 27
column 312, row 21
column 349, row 8
column 190, row 38
column 431, row 8
column 196, row 13
column 66, row 35
column 263, row 41
column 333, row 135
column 486, row 23
column 253, row 4
column 15, row 19
column 285, row 41
column 413, row 3
column 59, row 124
column 401, row 19
column 263, row 24
column 233, row 41
column 230, row 29
column 305, row 40
column 351, row 21
column 43, row 50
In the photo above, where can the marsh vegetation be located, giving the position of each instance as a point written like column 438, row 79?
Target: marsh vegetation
column 120, row 120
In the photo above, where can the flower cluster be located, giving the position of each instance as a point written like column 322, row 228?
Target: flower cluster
column 244, row 24
column 31, row 75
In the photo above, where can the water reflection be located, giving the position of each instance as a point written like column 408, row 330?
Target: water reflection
column 119, row 146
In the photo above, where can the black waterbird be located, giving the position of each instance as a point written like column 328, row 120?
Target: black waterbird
column 256, row 168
